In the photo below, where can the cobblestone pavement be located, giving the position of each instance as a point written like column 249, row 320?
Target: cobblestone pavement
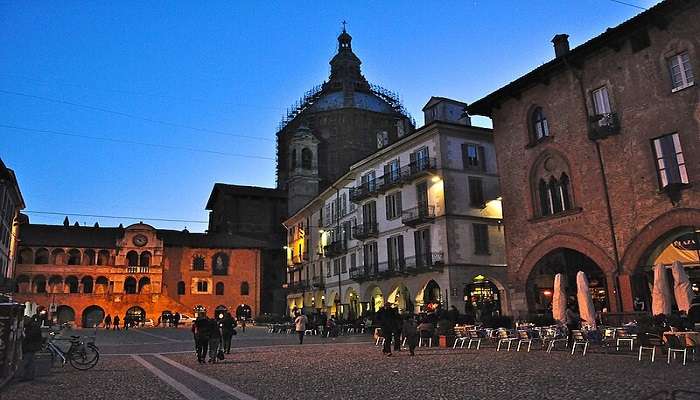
column 270, row 366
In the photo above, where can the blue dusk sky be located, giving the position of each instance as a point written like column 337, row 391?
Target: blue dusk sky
column 137, row 108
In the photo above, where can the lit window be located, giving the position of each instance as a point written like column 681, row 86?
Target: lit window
column 681, row 71
column 393, row 205
column 670, row 164
column 202, row 286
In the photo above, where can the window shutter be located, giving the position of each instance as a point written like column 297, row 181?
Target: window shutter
column 482, row 158
column 465, row 155
column 412, row 158
column 390, row 250
column 387, row 169
column 387, row 200
column 400, row 247
column 399, row 208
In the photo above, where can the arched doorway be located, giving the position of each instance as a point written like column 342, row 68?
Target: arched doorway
column 481, row 298
column 401, row 298
column 243, row 311
column 430, row 297
column 376, row 299
column 353, row 302
column 93, row 316
column 136, row 314
column 540, row 282
column 680, row 244
column 65, row 314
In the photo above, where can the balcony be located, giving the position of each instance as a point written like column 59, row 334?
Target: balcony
column 418, row 215
column 334, row 249
column 137, row 270
column 419, row 168
column 364, row 273
column 365, row 190
column 364, row 231
column 424, row 262
column 393, row 179
column 318, row 282
column 603, row 125
column 298, row 286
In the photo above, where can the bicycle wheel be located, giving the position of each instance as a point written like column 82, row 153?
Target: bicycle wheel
column 84, row 357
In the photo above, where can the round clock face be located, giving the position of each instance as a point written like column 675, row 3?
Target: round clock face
column 140, row 240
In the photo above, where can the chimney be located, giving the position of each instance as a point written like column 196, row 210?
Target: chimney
column 561, row 44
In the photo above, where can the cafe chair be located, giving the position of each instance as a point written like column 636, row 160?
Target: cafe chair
column 474, row 337
column 649, row 341
column 427, row 336
column 554, row 336
column 579, row 340
column 524, row 337
column 461, row 338
column 623, row 336
column 677, row 345
column 505, row 337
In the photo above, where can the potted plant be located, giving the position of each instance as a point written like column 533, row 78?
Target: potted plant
column 446, row 333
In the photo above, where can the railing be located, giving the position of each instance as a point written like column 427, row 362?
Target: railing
column 364, row 231
column 137, row 270
column 335, row 248
column 420, row 167
column 364, row 272
column 318, row 282
column 418, row 215
column 298, row 285
column 603, row 125
column 365, row 190
column 423, row 262
column 394, row 178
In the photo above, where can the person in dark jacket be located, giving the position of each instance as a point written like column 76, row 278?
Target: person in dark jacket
column 176, row 319
column 388, row 321
column 228, row 325
column 116, row 322
column 108, row 322
column 410, row 332
column 214, row 340
column 201, row 328
column 31, row 344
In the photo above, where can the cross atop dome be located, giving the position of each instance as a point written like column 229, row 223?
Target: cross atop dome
column 344, row 39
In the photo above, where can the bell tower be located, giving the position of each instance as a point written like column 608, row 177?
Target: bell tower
column 302, row 184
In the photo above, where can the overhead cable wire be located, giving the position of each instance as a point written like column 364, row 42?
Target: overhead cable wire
column 116, row 217
column 133, row 116
column 629, row 4
column 124, row 141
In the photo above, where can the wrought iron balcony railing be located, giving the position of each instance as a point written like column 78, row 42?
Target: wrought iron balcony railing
column 423, row 262
column 418, row 215
column 365, row 231
column 334, row 249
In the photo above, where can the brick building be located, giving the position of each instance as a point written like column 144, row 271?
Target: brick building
column 84, row 273
column 598, row 153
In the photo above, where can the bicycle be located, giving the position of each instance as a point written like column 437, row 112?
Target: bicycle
column 82, row 355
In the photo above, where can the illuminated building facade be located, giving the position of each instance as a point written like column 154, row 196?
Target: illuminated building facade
column 601, row 146
column 416, row 223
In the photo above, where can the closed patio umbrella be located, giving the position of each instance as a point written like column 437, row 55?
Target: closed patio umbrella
column 559, row 299
column 660, row 293
column 585, row 302
column 681, row 287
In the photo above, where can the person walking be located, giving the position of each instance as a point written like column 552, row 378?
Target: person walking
column 127, row 321
column 176, row 319
column 410, row 333
column 572, row 320
column 116, row 322
column 108, row 322
column 228, row 325
column 201, row 330
column 387, row 319
column 31, row 344
column 214, row 340
column 243, row 324
column 300, row 324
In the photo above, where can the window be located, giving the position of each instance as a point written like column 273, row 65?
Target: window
column 551, row 186
column 343, row 265
column 202, row 286
column 181, row 288
column 198, row 263
column 370, row 255
column 681, row 71
column 394, row 248
column 392, row 172
column 220, row 264
column 306, row 158
column 539, row 124
column 473, row 156
column 601, row 103
column 368, row 181
column 336, row 266
column 382, row 139
column 481, row 238
column 245, row 288
column 328, row 269
column 219, row 290
column 369, row 213
column 353, row 261
column 421, row 240
column 476, row 192
column 393, row 205
column 670, row 163
column 132, row 259
column 145, row 259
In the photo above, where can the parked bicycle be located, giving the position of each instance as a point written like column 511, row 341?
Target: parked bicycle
column 82, row 354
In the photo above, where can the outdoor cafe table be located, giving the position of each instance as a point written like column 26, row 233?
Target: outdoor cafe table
column 691, row 338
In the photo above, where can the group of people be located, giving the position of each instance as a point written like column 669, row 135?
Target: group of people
column 213, row 336
column 394, row 328
column 114, row 323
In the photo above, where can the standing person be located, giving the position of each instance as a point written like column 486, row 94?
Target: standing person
column 108, row 321
column 30, row 345
column 227, row 325
column 127, row 321
column 201, row 330
column 214, row 340
column 572, row 320
column 410, row 332
column 176, row 319
column 116, row 322
column 300, row 324
column 243, row 324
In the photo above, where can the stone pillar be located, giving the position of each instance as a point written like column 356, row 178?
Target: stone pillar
column 626, row 292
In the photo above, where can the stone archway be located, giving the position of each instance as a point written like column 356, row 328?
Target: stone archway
column 65, row 314
column 92, row 316
column 401, row 297
column 374, row 298
column 483, row 294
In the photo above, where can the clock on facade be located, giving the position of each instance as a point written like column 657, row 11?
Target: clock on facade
column 140, row 240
